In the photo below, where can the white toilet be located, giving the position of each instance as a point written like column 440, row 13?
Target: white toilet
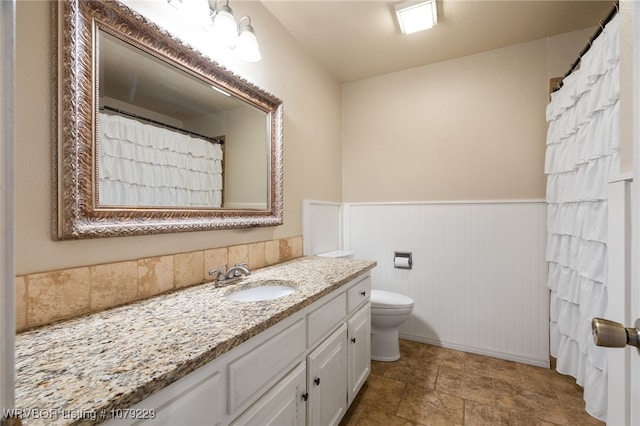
column 388, row 311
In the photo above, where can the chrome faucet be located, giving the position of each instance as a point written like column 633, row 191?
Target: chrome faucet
column 224, row 276
column 238, row 270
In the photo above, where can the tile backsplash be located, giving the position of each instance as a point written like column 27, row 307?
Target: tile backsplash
column 45, row 297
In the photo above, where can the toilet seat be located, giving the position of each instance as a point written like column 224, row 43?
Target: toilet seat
column 381, row 300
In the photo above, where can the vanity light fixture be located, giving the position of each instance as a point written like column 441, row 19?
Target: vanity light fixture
column 416, row 16
column 224, row 25
column 239, row 37
column 196, row 12
column 247, row 48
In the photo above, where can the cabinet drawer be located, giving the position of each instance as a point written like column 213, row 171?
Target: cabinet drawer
column 323, row 319
column 358, row 294
column 265, row 365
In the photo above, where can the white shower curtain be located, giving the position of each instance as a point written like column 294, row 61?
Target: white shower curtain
column 581, row 158
column 145, row 165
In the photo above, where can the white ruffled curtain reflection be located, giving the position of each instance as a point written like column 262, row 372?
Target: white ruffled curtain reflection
column 145, row 165
column 581, row 158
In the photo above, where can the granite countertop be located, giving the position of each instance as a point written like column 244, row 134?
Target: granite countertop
column 73, row 372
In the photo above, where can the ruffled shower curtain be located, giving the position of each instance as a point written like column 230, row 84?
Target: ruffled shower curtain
column 581, row 158
column 145, row 165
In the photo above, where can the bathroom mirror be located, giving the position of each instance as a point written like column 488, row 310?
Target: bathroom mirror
column 152, row 137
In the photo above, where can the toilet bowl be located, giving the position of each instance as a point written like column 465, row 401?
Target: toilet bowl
column 388, row 311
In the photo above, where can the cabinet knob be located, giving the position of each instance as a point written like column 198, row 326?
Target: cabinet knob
column 364, row 293
column 305, row 396
column 353, row 340
column 316, row 381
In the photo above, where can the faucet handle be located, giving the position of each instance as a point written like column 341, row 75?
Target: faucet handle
column 244, row 265
column 218, row 271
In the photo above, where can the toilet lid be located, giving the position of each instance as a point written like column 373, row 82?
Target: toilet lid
column 382, row 299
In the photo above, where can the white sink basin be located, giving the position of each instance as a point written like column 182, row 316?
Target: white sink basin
column 268, row 291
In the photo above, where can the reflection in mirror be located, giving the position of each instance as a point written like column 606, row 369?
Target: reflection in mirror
column 152, row 137
column 168, row 139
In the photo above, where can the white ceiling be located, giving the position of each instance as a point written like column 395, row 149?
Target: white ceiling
column 360, row 39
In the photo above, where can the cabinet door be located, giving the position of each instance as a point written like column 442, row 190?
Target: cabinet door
column 359, row 349
column 283, row 405
column 326, row 381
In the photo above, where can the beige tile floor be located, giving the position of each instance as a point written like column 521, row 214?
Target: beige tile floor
column 431, row 385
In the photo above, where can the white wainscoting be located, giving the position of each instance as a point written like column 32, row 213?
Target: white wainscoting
column 479, row 272
column 321, row 226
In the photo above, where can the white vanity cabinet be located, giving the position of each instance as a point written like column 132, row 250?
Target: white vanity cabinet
column 306, row 369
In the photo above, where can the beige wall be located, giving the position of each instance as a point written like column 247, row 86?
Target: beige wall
column 312, row 157
column 471, row 128
column 467, row 129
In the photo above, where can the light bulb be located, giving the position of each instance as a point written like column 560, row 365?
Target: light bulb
column 247, row 48
column 224, row 28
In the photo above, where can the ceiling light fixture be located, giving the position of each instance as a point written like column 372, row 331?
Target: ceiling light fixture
column 416, row 16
